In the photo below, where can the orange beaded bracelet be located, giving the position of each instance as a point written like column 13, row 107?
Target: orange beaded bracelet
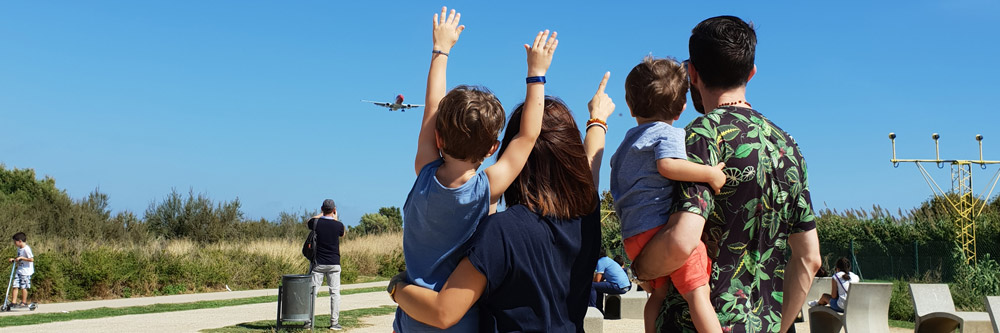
column 596, row 121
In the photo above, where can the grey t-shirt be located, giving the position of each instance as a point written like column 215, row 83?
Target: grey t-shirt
column 643, row 197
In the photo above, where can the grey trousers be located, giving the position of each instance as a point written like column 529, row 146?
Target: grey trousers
column 332, row 273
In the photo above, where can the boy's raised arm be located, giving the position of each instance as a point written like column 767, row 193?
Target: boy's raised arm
column 508, row 166
column 687, row 171
column 446, row 32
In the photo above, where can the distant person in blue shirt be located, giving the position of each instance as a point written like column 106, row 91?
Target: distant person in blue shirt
column 530, row 267
column 449, row 197
column 609, row 278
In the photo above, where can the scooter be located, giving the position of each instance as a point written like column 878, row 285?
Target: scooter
column 7, row 306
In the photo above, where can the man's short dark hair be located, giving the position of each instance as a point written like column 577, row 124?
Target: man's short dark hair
column 722, row 51
column 20, row 237
column 469, row 122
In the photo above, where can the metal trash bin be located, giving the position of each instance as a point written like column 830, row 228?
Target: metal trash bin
column 296, row 299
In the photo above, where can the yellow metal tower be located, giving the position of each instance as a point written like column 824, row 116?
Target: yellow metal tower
column 965, row 206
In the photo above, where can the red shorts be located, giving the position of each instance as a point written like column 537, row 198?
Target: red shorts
column 693, row 274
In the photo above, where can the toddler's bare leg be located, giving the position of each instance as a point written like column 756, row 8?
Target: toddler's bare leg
column 702, row 313
column 652, row 309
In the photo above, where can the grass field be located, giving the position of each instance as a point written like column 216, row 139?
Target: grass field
column 41, row 318
column 68, row 270
column 348, row 319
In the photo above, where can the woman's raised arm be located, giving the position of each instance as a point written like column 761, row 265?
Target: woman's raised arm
column 601, row 107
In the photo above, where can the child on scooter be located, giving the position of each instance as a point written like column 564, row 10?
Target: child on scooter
column 26, row 267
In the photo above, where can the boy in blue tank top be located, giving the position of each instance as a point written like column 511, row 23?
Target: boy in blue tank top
column 459, row 131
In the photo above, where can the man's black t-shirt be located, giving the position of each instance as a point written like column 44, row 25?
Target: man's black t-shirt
column 328, row 232
column 538, row 270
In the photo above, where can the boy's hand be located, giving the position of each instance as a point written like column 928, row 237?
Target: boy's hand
column 718, row 178
column 10, row 260
column 540, row 53
column 446, row 29
column 601, row 107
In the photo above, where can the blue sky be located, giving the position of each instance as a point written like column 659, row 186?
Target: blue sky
column 260, row 99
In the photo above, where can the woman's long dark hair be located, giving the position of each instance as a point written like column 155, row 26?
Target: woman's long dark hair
column 556, row 181
column 844, row 265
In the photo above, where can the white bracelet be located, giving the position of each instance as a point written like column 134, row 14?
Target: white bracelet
column 605, row 128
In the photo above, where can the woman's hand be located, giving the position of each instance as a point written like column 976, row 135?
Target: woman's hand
column 601, row 107
column 446, row 29
column 540, row 53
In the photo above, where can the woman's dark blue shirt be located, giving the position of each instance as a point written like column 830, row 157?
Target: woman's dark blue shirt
column 538, row 270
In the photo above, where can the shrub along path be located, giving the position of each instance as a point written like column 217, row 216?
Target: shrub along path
column 196, row 320
column 172, row 299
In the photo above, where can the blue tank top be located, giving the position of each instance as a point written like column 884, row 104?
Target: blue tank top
column 437, row 222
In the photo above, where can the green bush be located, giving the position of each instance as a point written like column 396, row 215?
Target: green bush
column 901, row 304
column 974, row 283
column 391, row 264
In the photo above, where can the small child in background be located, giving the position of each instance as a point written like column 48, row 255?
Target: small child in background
column 643, row 170
column 459, row 130
column 25, row 268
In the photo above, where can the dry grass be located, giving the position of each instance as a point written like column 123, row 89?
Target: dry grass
column 364, row 252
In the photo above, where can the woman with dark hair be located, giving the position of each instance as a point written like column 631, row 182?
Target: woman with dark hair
column 842, row 279
column 530, row 267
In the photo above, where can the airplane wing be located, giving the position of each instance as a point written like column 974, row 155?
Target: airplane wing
column 385, row 105
column 410, row 106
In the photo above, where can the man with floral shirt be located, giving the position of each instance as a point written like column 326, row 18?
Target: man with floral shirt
column 763, row 210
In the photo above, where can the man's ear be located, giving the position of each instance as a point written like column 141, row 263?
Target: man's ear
column 752, row 73
column 695, row 79
column 496, row 145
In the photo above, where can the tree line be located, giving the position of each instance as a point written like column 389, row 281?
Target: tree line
column 37, row 207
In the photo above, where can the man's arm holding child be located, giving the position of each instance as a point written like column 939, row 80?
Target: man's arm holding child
column 686, row 171
column 503, row 173
column 446, row 32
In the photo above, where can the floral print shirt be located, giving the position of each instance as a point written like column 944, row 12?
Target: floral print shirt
column 765, row 199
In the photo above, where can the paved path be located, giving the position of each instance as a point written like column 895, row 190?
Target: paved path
column 195, row 320
column 186, row 298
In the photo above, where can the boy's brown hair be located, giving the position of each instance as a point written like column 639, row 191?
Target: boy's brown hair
column 469, row 122
column 656, row 88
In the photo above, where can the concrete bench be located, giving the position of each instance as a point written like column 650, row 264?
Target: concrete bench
column 629, row 305
column 594, row 321
column 993, row 308
column 820, row 286
column 935, row 311
column 867, row 310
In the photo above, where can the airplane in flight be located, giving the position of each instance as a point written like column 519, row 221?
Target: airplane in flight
column 397, row 105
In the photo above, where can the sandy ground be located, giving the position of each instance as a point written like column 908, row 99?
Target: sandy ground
column 186, row 298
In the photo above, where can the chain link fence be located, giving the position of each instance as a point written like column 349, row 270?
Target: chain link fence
column 903, row 260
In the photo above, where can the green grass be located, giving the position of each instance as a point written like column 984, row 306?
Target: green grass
column 41, row 318
column 900, row 324
column 348, row 319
